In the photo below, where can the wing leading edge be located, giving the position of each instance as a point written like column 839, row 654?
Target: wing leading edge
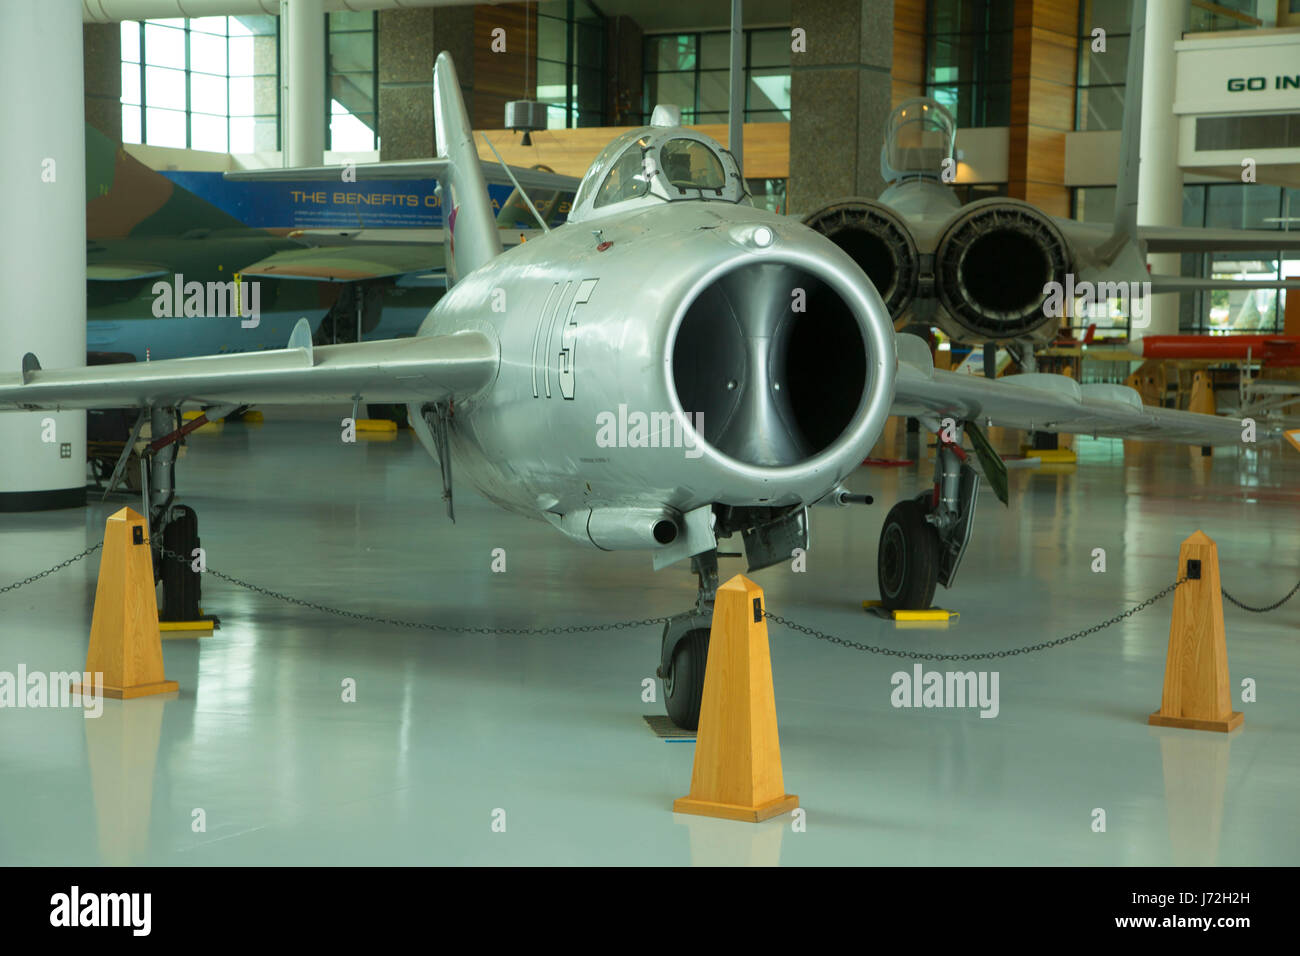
column 427, row 368
column 1043, row 402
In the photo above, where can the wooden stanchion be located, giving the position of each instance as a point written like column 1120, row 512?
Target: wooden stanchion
column 125, row 643
column 737, row 773
column 1202, row 399
column 1196, row 694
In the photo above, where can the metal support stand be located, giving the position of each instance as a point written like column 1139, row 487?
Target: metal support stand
column 956, row 485
column 160, row 488
column 705, row 566
column 439, row 416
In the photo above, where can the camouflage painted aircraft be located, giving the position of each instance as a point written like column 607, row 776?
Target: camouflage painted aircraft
column 142, row 229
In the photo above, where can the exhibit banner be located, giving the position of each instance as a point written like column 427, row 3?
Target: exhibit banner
column 315, row 205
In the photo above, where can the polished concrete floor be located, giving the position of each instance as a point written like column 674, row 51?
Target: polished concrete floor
column 448, row 731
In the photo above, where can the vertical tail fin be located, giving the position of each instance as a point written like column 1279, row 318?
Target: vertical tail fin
column 467, row 209
column 1130, row 140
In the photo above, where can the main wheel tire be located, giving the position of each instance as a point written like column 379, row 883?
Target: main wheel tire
column 907, row 564
column 181, row 585
column 684, row 682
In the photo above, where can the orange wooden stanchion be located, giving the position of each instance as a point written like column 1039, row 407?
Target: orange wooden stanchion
column 125, row 642
column 1197, row 694
column 737, row 772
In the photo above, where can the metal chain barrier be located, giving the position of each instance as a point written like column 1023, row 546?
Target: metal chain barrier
column 652, row 621
column 421, row 625
column 921, row 655
column 1262, row 610
column 58, row 567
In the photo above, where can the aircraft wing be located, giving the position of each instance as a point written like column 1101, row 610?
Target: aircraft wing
column 1163, row 283
column 349, row 263
column 123, row 271
column 407, row 169
column 1185, row 239
column 1044, row 402
column 423, row 368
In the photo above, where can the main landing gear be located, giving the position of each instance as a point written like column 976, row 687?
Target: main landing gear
column 173, row 526
column 921, row 547
column 923, row 538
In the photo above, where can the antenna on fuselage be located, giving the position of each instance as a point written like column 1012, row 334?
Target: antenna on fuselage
column 523, row 195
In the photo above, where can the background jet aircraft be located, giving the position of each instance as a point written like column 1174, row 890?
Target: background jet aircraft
column 142, row 228
column 667, row 294
column 979, row 271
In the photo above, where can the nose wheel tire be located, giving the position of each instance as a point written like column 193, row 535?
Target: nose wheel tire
column 684, row 682
column 907, row 564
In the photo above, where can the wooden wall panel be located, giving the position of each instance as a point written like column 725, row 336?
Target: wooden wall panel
column 1053, row 200
column 1053, row 57
column 1045, row 160
column 909, row 15
column 1051, row 104
column 907, row 74
column 570, row 151
column 1056, row 16
column 500, row 77
column 900, row 91
column 1043, row 76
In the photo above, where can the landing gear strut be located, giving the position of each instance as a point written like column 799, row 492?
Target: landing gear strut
column 174, row 526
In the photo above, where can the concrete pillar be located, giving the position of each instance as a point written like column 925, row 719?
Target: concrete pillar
column 409, row 41
column 302, row 81
column 1160, row 180
column 839, row 100
column 43, row 269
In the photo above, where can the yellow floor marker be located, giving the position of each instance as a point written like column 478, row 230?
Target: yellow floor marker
column 125, row 642
column 933, row 615
column 737, row 773
column 178, row 629
column 1196, row 693
column 1051, row 456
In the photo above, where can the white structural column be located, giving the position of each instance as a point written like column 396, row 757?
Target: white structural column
column 1160, row 179
column 43, row 260
column 302, row 81
column 736, row 114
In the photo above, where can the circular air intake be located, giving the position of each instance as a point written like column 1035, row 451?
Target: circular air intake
column 992, row 267
column 771, row 363
column 878, row 241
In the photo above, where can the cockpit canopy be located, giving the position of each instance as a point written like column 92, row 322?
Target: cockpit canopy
column 657, row 164
column 919, row 135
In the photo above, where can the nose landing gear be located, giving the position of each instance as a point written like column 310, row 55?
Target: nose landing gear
column 685, row 649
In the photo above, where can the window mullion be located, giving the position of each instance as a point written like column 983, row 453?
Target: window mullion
column 144, row 105
column 188, row 116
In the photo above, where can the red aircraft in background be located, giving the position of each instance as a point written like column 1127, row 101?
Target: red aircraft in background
column 1272, row 351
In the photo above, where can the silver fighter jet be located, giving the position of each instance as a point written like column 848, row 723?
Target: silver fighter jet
column 671, row 366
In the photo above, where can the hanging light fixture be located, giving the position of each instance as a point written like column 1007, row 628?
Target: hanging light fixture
column 525, row 114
